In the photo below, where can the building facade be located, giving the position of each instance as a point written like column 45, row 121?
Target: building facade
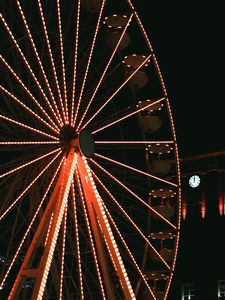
column 200, row 267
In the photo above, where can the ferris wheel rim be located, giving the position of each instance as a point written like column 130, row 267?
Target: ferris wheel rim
column 60, row 112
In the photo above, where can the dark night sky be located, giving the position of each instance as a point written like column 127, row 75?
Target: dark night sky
column 188, row 43
column 187, row 40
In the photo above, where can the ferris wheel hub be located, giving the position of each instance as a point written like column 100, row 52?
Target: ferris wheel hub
column 66, row 136
column 86, row 143
column 82, row 141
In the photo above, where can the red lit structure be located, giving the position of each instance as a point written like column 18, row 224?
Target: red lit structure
column 89, row 209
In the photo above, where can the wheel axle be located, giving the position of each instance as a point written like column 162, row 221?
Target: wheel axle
column 82, row 141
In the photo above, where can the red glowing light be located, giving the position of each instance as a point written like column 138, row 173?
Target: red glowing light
column 184, row 208
column 203, row 206
column 221, row 203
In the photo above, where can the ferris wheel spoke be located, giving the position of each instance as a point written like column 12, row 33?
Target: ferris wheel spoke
column 132, row 142
column 27, row 65
column 26, row 90
column 63, row 254
column 28, row 187
column 134, row 169
column 39, row 61
column 75, row 60
column 84, row 265
column 90, row 234
column 27, row 127
column 52, row 59
column 127, row 116
column 117, row 90
column 77, row 250
column 27, row 108
column 62, row 60
column 129, row 253
column 28, row 163
column 134, row 194
column 28, row 143
column 105, row 70
column 131, row 221
column 89, row 61
column 30, row 225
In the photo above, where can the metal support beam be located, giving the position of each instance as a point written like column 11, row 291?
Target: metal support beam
column 97, row 214
column 46, row 234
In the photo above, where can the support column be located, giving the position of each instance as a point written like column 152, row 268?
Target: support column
column 46, row 234
column 97, row 216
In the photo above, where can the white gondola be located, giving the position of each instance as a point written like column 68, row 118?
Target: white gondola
column 162, row 193
column 153, row 277
column 150, row 124
column 132, row 62
column 115, row 25
column 164, row 251
column 116, row 21
column 161, row 167
column 161, row 201
column 167, row 254
column 152, row 108
column 112, row 38
column 162, row 235
column 156, row 275
column 135, row 60
column 166, row 210
column 160, row 148
column 138, row 81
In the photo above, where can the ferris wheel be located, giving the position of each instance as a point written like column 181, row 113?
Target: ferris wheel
column 89, row 167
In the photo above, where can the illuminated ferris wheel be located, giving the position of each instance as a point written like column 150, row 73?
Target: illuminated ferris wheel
column 89, row 172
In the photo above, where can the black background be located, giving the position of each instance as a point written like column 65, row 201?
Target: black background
column 187, row 38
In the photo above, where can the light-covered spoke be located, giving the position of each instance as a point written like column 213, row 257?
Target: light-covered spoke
column 28, row 66
column 134, row 194
column 29, row 143
column 135, row 169
column 14, row 98
column 29, row 186
column 62, row 60
column 39, row 61
column 75, row 61
column 28, row 163
column 132, row 142
column 89, row 61
column 131, row 221
column 27, row 127
column 129, row 253
column 52, row 59
column 127, row 116
column 117, row 91
column 105, row 70
column 2, row 59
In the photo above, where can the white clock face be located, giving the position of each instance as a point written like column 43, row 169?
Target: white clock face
column 194, row 181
